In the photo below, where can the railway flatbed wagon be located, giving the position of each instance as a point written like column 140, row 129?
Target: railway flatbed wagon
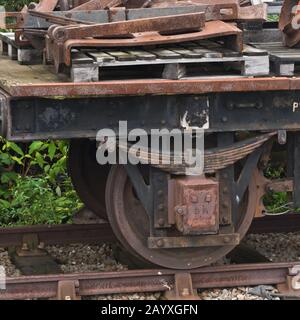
column 250, row 117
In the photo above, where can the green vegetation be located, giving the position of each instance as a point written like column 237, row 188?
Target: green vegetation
column 14, row 5
column 34, row 186
column 277, row 202
column 273, row 17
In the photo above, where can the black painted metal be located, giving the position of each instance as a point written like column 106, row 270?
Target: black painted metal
column 34, row 118
column 3, row 113
column 297, row 171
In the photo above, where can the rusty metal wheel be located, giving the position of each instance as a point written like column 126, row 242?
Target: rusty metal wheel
column 130, row 224
column 88, row 177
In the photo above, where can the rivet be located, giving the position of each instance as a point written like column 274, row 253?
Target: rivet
column 208, row 198
column 224, row 119
column 226, row 239
column 160, row 243
column 161, row 222
column 179, row 210
column 224, row 220
column 225, row 190
column 194, row 199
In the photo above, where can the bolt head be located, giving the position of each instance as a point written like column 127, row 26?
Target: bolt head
column 226, row 239
column 179, row 210
column 161, row 222
column 160, row 243
column 194, row 199
column 208, row 198
column 224, row 220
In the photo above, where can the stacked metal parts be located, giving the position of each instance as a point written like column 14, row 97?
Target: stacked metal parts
column 74, row 34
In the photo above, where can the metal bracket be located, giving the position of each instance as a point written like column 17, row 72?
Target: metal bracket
column 67, row 290
column 31, row 246
column 291, row 288
column 183, row 288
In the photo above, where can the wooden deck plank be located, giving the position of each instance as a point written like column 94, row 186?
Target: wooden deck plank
column 14, row 74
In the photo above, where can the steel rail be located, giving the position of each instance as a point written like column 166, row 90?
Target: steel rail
column 146, row 280
column 101, row 232
column 58, row 234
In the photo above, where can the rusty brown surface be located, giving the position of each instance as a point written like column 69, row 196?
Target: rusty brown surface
column 63, row 21
column 97, row 5
column 203, row 241
column 58, row 234
column 289, row 19
column 195, row 205
column 147, row 280
column 46, row 5
column 212, row 29
column 144, row 87
column 66, row 234
column 183, row 288
column 176, row 23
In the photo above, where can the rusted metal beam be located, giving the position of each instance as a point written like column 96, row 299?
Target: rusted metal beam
column 97, row 5
column 147, row 280
column 45, row 5
column 146, row 87
column 231, row 35
column 176, row 23
column 59, row 20
column 257, row 12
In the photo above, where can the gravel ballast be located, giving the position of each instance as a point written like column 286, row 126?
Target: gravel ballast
column 100, row 258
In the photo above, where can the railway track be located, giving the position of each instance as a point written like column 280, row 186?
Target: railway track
column 101, row 232
column 175, row 284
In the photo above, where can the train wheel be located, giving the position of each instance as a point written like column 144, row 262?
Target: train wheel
column 88, row 177
column 130, row 224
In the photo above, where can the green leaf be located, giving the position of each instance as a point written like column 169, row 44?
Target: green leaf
column 4, row 204
column 35, row 146
column 5, row 159
column 8, row 177
column 15, row 148
column 58, row 191
column 18, row 160
column 39, row 159
column 51, row 150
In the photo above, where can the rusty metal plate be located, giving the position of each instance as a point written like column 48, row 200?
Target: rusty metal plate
column 195, row 206
column 288, row 16
column 62, row 54
column 230, row 239
column 175, row 23
column 45, row 88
